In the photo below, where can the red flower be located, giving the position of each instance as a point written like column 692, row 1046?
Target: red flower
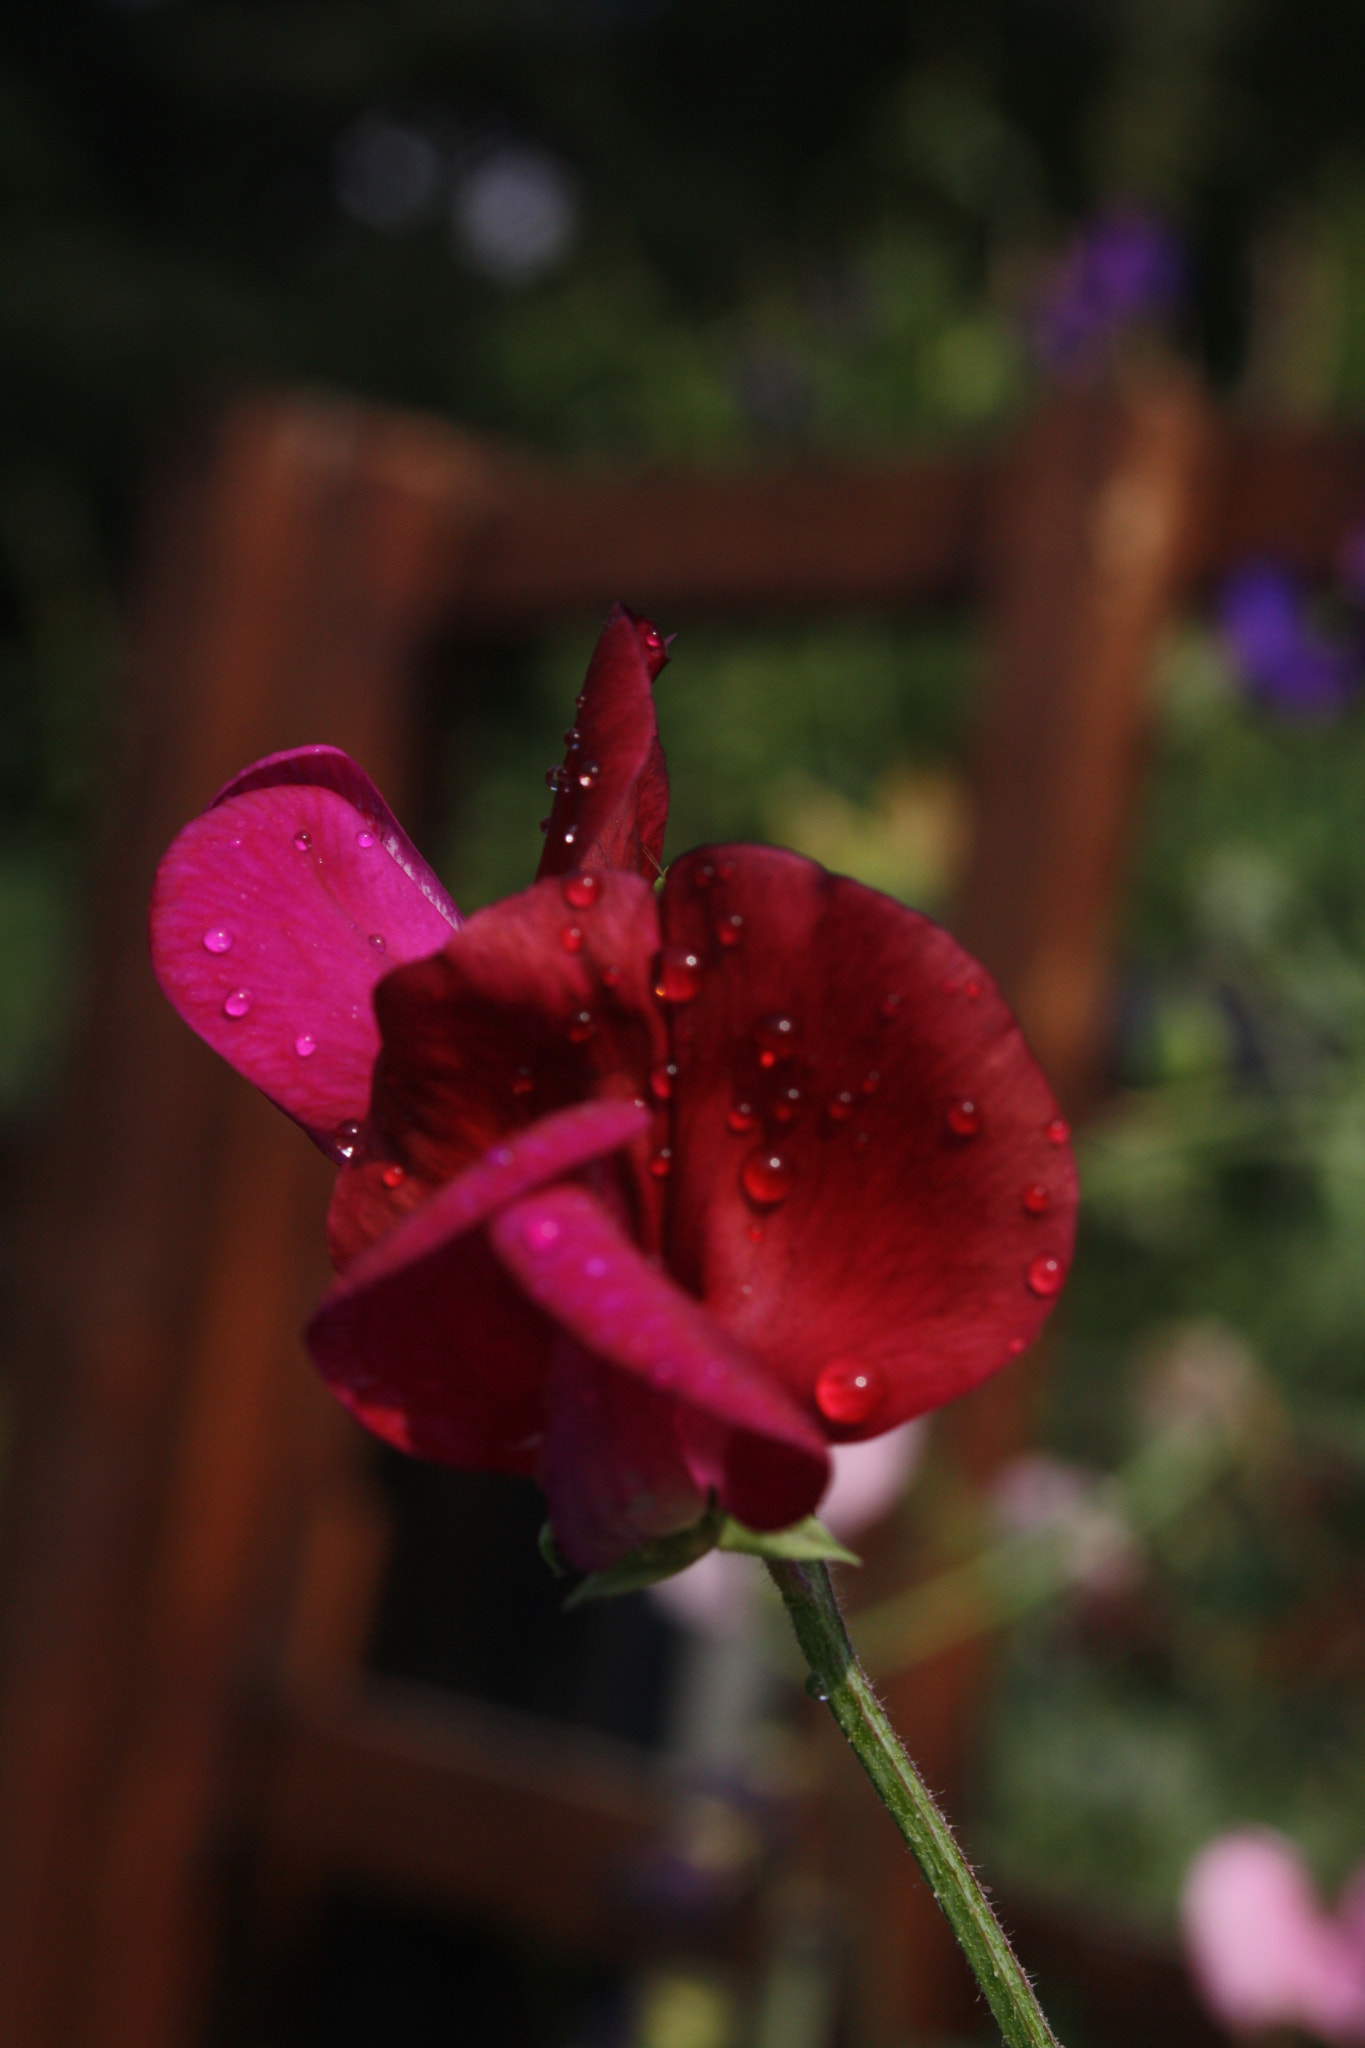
column 649, row 1194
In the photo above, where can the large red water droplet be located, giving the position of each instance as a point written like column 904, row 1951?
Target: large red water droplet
column 1037, row 1201
column 392, row 1176
column 1045, row 1277
column 963, row 1119
column 766, row 1177
column 847, row 1392
column 581, row 891
column 679, row 975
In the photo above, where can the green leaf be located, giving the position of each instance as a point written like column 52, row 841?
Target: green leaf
column 803, row 1542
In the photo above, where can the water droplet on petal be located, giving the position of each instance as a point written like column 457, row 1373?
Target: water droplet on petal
column 1058, row 1131
column 580, row 700
column 523, row 1081
column 766, row 1177
column 571, row 938
column 237, row 1004
column 1037, row 1201
column 303, row 840
column 755, row 1236
column 703, row 875
column 540, row 1234
column 572, row 736
column 580, row 892
column 1017, row 1346
column 365, row 840
column 554, row 778
column 840, row 1107
column 217, row 939
column 661, row 1081
column 581, row 1027
column 346, row 1140
column 596, row 1268
column 611, row 977
column 661, row 1165
column 1045, row 1277
column 588, row 774
column 679, row 975
column 544, row 824
column 972, row 989
column 963, row 1119
column 870, row 1083
column 776, row 1036
column 788, row 1105
column 393, row 1176
column 305, row 1045
column 570, row 834
column 848, row 1392
column 502, row 1155
column 378, row 942
column 742, row 1117
column 729, row 930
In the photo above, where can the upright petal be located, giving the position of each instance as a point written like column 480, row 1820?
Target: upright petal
column 274, row 915
column 870, row 1187
column 611, row 803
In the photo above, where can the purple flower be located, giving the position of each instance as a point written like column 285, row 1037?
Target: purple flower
column 1280, row 656
column 1124, row 266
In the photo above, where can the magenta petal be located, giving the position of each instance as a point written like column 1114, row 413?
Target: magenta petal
column 322, row 767
column 575, row 1263
column 612, row 1470
column 427, row 1339
column 273, row 916
column 611, row 805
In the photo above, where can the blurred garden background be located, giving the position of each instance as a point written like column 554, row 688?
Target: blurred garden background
column 713, row 233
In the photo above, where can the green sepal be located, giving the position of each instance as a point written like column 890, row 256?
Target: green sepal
column 661, row 1558
column 551, row 1552
column 801, row 1543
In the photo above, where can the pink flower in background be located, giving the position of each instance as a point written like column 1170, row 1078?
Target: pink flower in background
column 1263, row 1951
column 649, row 1194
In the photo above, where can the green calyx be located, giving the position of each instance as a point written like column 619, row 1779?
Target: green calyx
column 664, row 1556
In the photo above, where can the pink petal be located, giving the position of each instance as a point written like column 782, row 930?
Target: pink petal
column 613, row 1473
column 893, row 1218
column 1262, row 1950
column 611, row 806
column 427, row 1339
column 273, row 916
column 743, row 1434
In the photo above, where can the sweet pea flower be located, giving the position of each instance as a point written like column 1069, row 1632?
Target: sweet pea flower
column 651, row 1194
column 1263, row 1951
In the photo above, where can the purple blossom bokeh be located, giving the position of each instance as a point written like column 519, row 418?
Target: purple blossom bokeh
column 1280, row 655
column 1122, row 267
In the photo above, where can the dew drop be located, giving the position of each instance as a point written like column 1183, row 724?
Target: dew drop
column 596, row 1268
column 661, row 1081
column 571, row 938
column 661, row 1165
column 755, row 1236
column 544, row 824
column 972, row 989
column 788, row 1105
column 1045, row 1277
column 581, row 1027
column 393, row 1176
column 237, row 1004
column 303, row 840
column 540, row 1234
column 817, row 1690
column 570, row 834
column 870, row 1083
column 742, row 1117
column 580, row 700
column 1017, row 1346
column 554, row 778
column 704, row 875
column 588, row 774
column 377, row 940
column 580, row 892
column 611, row 977
column 776, row 1037
column 346, row 1140
column 217, row 939
column 729, row 930
column 1058, row 1131
column 766, row 1177
column 364, row 840
column 305, row 1045
column 523, row 1081
column 847, row 1392
column 725, row 870
column 679, row 975
column 502, row 1155
column 840, row 1107
column 963, row 1119
column 1037, row 1201
column 572, row 737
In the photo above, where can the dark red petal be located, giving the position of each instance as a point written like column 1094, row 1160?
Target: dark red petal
column 613, row 1473
column 323, row 767
column 537, row 1002
column 273, row 916
column 427, row 1340
column 611, row 806
column 574, row 1262
column 864, row 1231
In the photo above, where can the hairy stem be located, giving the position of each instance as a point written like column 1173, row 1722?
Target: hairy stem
column 839, row 1680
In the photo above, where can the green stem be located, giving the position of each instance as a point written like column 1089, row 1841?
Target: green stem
column 840, row 1681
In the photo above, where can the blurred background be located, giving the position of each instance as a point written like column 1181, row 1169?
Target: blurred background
column 676, row 236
